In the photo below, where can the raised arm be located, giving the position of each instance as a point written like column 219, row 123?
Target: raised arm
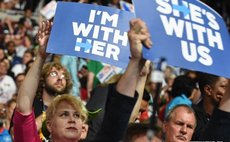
column 121, row 100
column 28, row 89
column 140, row 89
column 138, row 35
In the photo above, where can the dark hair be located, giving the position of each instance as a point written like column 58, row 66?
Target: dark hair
column 10, row 42
column 182, row 85
column 85, row 67
column 206, row 79
column 1, row 123
column 135, row 130
column 146, row 95
column 30, row 51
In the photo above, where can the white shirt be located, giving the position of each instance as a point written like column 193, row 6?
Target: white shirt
column 7, row 89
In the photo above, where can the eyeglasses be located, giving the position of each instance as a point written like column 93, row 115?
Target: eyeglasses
column 55, row 74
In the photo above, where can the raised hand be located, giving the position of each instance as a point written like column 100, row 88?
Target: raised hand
column 138, row 35
column 43, row 36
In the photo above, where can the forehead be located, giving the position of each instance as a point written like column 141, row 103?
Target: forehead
column 64, row 105
column 184, row 115
column 222, row 80
column 61, row 70
column 28, row 54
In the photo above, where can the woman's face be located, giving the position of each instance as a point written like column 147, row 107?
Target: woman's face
column 3, row 68
column 66, row 125
column 26, row 58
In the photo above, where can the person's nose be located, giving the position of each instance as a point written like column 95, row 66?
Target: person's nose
column 183, row 129
column 59, row 77
column 72, row 119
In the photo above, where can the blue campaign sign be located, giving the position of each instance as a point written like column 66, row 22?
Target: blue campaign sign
column 91, row 31
column 188, row 33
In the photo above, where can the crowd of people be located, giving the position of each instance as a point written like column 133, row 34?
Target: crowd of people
column 45, row 97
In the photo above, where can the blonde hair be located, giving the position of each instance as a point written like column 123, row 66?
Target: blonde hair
column 73, row 101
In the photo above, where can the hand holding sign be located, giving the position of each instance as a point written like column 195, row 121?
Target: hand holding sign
column 138, row 34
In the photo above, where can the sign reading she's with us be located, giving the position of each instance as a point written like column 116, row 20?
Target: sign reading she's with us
column 91, row 31
column 187, row 33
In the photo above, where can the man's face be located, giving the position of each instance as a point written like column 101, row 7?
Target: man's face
column 218, row 90
column 66, row 123
column 56, row 81
column 28, row 13
column 152, row 86
column 181, row 126
column 11, row 48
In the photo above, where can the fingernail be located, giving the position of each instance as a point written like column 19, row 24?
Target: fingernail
column 150, row 42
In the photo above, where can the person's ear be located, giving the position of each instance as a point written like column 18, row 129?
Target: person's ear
column 48, row 126
column 208, row 90
column 84, row 131
column 164, row 127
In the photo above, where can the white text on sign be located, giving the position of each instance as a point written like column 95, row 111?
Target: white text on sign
column 191, row 28
column 92, row 32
